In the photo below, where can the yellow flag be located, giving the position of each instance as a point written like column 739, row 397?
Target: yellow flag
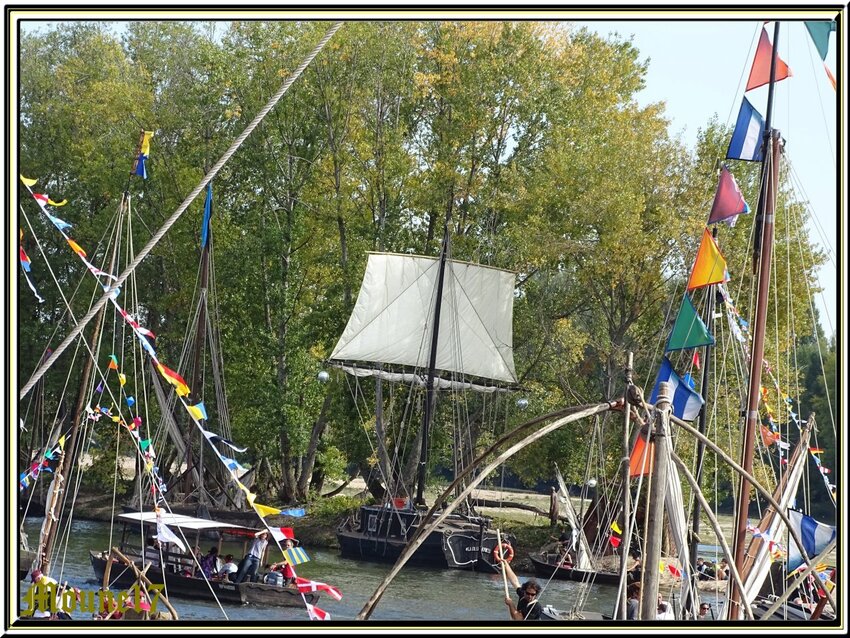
column 616, row 527
column 661, row 566
column 28, row 181
column 62, row 442
column 265, row 510
column 146, row 143
column 709, row 266
column 122, row 378
column 52, row 203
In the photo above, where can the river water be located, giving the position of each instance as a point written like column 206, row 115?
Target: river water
column 416, row 594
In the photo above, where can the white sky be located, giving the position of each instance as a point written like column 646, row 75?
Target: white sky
column 699, row 69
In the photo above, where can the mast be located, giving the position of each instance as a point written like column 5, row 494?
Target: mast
column 200, row 340
column 762, row 259
column 430, row 395
column 706, row 374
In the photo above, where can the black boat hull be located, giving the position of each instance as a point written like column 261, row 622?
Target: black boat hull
column 548, row 568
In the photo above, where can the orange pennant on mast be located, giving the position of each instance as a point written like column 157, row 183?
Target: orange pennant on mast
column 760, row 73
column 710, row 266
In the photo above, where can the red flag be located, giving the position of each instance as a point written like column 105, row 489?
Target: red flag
column 760, row 73
column 728, row 199
column 615, row 540
column 316, row 613
column 674, row 570
column 306, row 586
column 696, row 359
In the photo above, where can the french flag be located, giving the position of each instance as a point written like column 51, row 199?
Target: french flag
column 686, row 402
column 747, row 137
column 815, row 536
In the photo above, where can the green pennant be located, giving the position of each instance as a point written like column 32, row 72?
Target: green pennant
column 820, row 35
column 689, row 331
column 144, row 444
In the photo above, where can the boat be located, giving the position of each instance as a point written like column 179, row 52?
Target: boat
column 433, row 324
column 113, row 572
column 549, row 565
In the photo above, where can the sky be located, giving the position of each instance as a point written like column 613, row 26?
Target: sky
column 699, row 69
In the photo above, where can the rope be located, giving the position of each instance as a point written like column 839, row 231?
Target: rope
column 177, row 213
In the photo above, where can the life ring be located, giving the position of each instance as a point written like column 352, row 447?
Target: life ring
column 506, row 554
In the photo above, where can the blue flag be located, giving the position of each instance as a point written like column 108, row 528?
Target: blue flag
column 686, row 402
column 297, row 512
column 207, row 214
column 747, row 137
column 140, row 166
column 815, row 536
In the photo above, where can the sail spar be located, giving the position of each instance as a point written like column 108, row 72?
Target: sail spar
column 392, row 318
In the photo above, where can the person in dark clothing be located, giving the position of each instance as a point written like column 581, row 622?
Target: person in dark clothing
column 527, row 607
column 633, row 603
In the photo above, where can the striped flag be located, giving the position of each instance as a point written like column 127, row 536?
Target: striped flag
column 306, row 586
column 686, row 402
column 295, row 556
column 316, row 613
column 815, row 536
column 198, row 411
column 747, row 136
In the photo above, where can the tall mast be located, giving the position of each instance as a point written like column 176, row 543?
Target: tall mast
column 432, row 364
column 200, row 340
column 762, row 259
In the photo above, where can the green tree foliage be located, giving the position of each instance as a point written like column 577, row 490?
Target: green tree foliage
column 527, row 135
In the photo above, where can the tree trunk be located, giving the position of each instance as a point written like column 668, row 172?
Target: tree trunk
column 309, row 459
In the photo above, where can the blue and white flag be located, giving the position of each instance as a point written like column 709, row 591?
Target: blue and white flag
column 747, row 137
column 686, row 402
column 815, row 536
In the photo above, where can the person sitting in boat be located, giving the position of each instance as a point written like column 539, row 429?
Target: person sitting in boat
column 634, row 571
column 704, row 570
column 250, row 562
column 210, row 563
column 152, row 552
column 283, row 566
column 665, row 610
column 228, row 569
column 704, row 610
column 633, row 603
column 722, row 570
column 527, row 607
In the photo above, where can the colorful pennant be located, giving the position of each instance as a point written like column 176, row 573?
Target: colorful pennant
column 709, row 266
column 728, row 200
column 760, row 71
column 689, row 331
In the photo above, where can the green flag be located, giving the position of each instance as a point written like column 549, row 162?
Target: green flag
column 689, row 331
column 820, row 35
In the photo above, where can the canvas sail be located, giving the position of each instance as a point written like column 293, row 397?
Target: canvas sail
column 392, row 321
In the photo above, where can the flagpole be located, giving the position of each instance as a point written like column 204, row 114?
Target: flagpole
column 761, row 260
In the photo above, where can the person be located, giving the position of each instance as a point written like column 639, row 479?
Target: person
column 722, row 571
column 249, row 564
column 703, row 571
column 228, row 568
column 152, row 552
column 633, row 603
column 634, row 571
column 283, row 566
column 554, row 507
column 704, row 608
column 210, row 563
column 665, row 611
column 527, row 607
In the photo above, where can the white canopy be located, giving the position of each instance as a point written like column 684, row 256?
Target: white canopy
column 392, row 321
column 178, row 520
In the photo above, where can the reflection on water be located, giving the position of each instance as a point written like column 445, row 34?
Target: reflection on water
column 417, row 593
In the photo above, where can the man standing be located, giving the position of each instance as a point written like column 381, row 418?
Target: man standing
column 553, row 507
column 250, row 563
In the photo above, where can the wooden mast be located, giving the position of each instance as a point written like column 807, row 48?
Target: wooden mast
column 430, row 395
column 762, row 259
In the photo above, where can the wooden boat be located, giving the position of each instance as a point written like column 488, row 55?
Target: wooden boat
column 178, row 584
column 548, row 565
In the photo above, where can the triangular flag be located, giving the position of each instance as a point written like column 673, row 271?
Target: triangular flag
column 146, row 143
column 131, row 402
column 205, row 225
column 686, row 402
column 728, row 200
column 174, row 379
column 616, row 527
column 295, row 512
column 640, row 460
column 747, row 137
column 27, row 181
column 695, row 359
column 165, row 535
column 820, row 30
column 689, row 331
column 122, row 379
column 760, row 72
column 76, row 248
column 265, row 510
column 62, row 442
column 615, row 540
column 113, row 362
column 709, row 265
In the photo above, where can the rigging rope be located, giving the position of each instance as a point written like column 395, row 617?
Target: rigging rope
column 177, row 213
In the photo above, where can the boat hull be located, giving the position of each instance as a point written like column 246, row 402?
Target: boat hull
column 200, row 589
column 546, row 567
column 381, row 534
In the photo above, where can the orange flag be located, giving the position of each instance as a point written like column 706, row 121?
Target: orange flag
column 174, row 379
column 76, row 248
column 640, row 462
column 760, row 73
column 710, row 266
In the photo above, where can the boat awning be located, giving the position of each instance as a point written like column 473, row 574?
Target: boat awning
column 181, row 521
